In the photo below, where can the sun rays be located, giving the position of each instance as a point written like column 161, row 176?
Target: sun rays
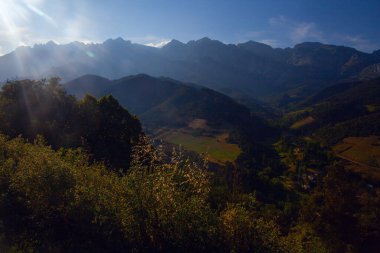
column 15, row 18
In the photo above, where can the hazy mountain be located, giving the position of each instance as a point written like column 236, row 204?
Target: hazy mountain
column 163, row 101
column 250, row 68
column 93, row 84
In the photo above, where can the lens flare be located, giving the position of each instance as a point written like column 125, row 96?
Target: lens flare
column 90, row 54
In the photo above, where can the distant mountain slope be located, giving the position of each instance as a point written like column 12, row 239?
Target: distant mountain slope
column 342, row 110
column 165, row 102
column 363, row 92
column 96, row 85
column 250, row 68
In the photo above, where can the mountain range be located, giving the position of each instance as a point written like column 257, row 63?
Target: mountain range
column 253, row 69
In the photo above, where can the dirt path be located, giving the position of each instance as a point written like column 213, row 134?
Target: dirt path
column 356, row 162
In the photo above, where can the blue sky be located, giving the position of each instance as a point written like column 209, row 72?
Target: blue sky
column 281, row 23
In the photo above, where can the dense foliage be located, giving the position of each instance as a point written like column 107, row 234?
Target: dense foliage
column 345, row 212
column 55, row 201
column 103, row 127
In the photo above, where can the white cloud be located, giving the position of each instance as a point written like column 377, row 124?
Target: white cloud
column 305, row 31
column 160, row 43
column 151, row 40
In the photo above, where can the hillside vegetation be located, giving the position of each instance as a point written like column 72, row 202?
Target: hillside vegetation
column 192, row 115
column 104, row 128
column 339, row 111
column 81, row 176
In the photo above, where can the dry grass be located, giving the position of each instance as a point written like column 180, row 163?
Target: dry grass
column 303, row 122
column 361, row 149
column 198, row 124
column 363, row 153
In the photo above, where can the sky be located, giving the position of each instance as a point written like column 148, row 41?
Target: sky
column 280, row 23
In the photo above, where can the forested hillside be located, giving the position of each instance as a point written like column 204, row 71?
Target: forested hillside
column 30, row 108
column 339, row 111
column 164, row 102
column 200, row 119
column 80, row 176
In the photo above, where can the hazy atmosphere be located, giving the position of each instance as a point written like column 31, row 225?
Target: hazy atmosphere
column 229, row 126
column 277, row 23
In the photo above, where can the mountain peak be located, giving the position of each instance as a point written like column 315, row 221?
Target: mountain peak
column 308, row 44
column 205, row 41
column 117, row 41
column 138, row 77
column 91, row 76
column 77, row 43
column 47, row 45
column 174, row 42
column 51, row 43
column 254, row 45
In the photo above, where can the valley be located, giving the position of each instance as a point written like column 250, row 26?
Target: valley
column 145, row 161
column 218, row 126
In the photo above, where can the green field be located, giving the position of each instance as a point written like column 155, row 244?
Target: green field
column 215, row 148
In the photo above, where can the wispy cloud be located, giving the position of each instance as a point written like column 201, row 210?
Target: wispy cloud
column 358, row 42
column 304, row 31
column 297, row 31
column 279, row 20
column 283, row 32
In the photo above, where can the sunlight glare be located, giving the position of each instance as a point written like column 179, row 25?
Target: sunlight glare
column 15, row 18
